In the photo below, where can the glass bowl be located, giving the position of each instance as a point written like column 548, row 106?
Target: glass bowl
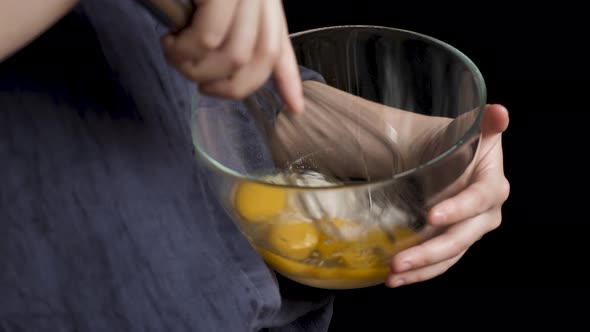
column 328, row 196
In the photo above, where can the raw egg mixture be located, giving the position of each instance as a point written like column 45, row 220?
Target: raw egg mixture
column 329, row 238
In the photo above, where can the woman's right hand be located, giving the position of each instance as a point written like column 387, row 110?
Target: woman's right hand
column 232, row 47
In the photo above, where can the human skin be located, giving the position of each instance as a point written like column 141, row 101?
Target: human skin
column 466, row 209
column 232, row 47
column 23, row 21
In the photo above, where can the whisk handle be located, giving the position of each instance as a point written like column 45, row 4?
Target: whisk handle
column 176, row 14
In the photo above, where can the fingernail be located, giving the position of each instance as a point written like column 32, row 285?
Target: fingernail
column 439, row 217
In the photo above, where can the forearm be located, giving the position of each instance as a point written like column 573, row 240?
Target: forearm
column 21, row 21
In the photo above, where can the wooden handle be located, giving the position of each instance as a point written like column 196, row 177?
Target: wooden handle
column 174, row 13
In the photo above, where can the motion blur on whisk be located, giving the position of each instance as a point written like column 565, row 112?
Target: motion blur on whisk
column 390, row 127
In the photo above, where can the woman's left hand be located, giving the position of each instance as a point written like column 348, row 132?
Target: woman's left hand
column 469, row 215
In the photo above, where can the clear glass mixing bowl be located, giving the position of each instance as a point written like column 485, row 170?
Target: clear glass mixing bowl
column 327, row 197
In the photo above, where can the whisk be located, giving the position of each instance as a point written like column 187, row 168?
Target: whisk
column 341, row 135
column 354, row 144
column 346, row 138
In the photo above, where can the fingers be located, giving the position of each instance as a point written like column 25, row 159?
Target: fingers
column 453, row 242
column 212, row 21
column 251, row 76
column 485, row 193
column 288, row 79
column 244, row 32
column 468, row 215
column 236, row 52
column 488, row 186
column 495, row 120
column 421, row 274
column 209, row 28
column 234, row 46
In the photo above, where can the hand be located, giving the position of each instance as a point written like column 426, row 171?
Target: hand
column 470, row 214
column 232, row 47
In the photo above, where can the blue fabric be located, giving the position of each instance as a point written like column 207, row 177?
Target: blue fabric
column 106, row 223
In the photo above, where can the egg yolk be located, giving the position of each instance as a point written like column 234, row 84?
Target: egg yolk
column 259, row 203
column 361, row 253
column 286, row 266
column 295, row 240
column 364, row 253
column 352, row 245
column 352, row 277
column 332, row 244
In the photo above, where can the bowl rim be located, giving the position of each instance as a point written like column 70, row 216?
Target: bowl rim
column 470, row 133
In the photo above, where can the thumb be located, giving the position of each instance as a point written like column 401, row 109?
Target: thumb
column 495, row 120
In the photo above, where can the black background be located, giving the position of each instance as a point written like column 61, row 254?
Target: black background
column 534, row 60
